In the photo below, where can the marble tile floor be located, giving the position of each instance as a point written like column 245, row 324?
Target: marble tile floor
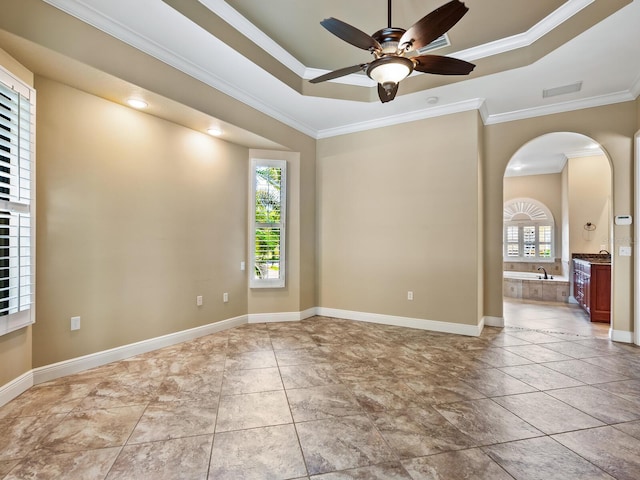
column 553, row 317
column 334, row 399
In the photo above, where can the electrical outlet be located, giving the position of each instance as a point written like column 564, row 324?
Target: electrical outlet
column 225, row 297
column 75, row 323
column 199, row 300
column 409, row 295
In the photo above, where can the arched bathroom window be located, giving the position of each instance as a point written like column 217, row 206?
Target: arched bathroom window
column 528, row 231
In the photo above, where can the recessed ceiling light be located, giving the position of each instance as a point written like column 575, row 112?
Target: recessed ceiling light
column 432, row 100
column 215, row 131
column 137, row 103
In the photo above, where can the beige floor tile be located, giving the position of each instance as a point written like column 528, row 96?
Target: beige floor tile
column 93, row 429
column 198, row 389
column 486, row 422
column 168, row 460
column 543, row 458
column 7, row 465
column 464, row 464
column 85, row 465
column 575, row 350
column 47, row 399
column 20, row 435
column 626, row 389
column 630, row 428
column 537, row 353
column 424, row 394
column 260, row 453
column 546, row 413
column 500, row 357
column 164, row 421
column 612, row 450
column 541, row 377
column 375, row 472
column 441, row 388
column 384, row 395
column 584, row 372
column 251, row 381
column 492, row 382
column 311, row 375
column 360, row 444
column 252, row 410
column 418, row 432
column 598, row 403
column 315, row 403
column 247, row 360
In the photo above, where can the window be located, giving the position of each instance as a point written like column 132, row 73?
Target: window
column 268, row 194
column 528, row 231
column 16, row 246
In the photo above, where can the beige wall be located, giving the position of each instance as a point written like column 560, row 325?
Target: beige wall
column 33, row 20
column 589, row 188
column 398, row 211
column 104, row 321
column 612, row 126
column 15, row 348
column 136, row 217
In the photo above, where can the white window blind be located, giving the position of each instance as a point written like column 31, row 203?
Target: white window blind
column 17, row 115
column 528, row 231
column 268, row 214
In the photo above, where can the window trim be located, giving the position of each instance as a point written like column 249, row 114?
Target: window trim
column 268, row 282
column 23, row 318
column 525, row 212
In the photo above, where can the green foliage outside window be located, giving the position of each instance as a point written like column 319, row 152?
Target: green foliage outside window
column 267, row 217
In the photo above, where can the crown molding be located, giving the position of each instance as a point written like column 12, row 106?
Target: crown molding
column 253, row 33
column 431, row 112
column 635, row 87
column 89, row 15
column 520, row 40
column 598, row 101
column 587, row 152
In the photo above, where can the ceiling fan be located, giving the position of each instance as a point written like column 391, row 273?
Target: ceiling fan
column 393, row 49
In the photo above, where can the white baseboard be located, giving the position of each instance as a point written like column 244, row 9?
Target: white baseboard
column 620, row 336
column 282, row 316
column 494, row 321
column 419, row 323
column 15, row 387
column 79, row 364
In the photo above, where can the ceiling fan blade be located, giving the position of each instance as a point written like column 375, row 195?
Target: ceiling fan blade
column 350, row 34
column 339, row 73
column 442, row 65
column 434, row 24
column 387, row 94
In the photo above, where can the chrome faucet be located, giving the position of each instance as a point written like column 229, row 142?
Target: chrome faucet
column 545, row 272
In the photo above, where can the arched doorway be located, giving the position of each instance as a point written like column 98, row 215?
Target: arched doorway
column 569, row 175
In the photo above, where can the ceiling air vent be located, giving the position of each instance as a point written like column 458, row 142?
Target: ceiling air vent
column 440, row 42
column 565, row 89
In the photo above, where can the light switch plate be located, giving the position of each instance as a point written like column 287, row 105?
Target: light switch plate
column 625, row 251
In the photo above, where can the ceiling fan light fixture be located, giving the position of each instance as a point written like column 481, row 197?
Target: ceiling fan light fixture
column 390, row 70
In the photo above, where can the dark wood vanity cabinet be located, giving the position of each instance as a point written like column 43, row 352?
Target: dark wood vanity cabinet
column 592, row 288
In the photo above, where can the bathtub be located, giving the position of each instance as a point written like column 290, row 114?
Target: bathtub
column 530, row 286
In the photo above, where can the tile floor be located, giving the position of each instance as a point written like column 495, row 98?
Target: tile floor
column 334, row 399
